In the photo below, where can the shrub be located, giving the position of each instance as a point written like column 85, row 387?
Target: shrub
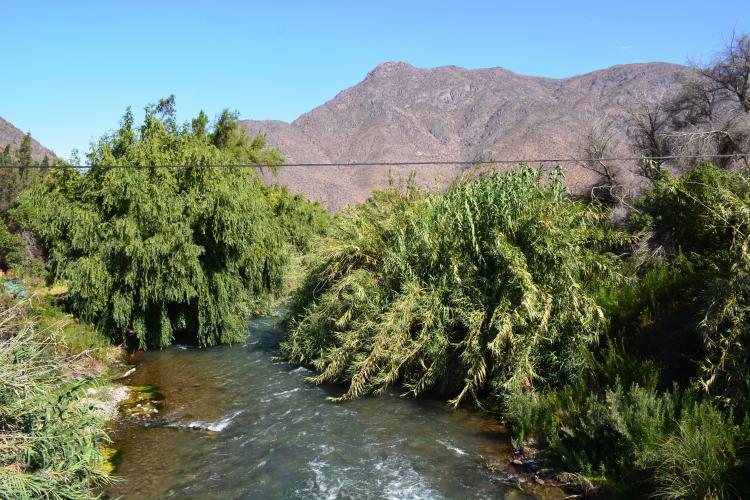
column 487, row 286
column 706, row 216
column 300, row 220
column 11, row 248
column 594, row 433
column 707, row 456
column 638, row 440
column 680, row 323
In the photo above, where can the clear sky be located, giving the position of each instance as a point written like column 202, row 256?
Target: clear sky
column 69, row 69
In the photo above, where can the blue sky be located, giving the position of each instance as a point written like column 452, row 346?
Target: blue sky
column 69, row 69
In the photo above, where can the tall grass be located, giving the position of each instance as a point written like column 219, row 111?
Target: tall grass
column 486, row 288
column 706, row 456
column 49, row 435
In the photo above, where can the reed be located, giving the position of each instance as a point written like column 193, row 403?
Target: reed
column 485, row 288
column 50, row 435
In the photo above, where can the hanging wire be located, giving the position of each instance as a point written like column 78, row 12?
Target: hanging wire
column 393, row 163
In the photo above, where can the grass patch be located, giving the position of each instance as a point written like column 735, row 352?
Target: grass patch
column 50, row 435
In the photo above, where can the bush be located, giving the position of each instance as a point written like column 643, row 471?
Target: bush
column 707, row 456
column 13, row 251
column 638, row 440
column 486, row 287
column 705, row 215
column 659, row 409
column 593, row 427
column 300, row 220
column 11, row 248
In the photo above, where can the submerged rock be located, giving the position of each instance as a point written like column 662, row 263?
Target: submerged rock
column 145, row 402
column 106, row 400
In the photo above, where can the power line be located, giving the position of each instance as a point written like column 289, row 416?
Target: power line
column 392, row 163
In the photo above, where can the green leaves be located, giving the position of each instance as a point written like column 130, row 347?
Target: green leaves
column 152, row 253
column 487, row 285
column 705, row 214
column 682, row 323
column 50, row 433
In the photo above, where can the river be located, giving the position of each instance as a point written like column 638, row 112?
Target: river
column 234, row 423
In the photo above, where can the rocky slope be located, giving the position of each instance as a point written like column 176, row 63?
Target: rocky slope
column 403, row 113
column 9, row 134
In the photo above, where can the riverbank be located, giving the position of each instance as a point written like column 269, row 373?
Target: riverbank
column 56, row 395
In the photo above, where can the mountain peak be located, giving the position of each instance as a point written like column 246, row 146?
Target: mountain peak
column 390, row 67
column 448, row 113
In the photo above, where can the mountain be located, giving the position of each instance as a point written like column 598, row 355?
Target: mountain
column 13, row 136
column 403, row 113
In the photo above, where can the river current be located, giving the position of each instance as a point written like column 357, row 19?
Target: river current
column 235, row 423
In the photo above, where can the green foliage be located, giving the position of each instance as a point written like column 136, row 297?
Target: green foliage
column 661, row 407
column 699, row 211
column 300, row 220
column 600, row 425
column 12, row 182
column 15, row 180
column 153, row 253
column 706, row 215
column 707, row 456
column 487, row 285
column 71, row 335
column 502, row 287
column 638, row 440
column 726, row 330
column 49, row 434
column 590, row 433
column 648, row 316
column 11, row 248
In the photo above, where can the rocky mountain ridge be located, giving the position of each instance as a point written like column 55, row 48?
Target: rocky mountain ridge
column 403, row 113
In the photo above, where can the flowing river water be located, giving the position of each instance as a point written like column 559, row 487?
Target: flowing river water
column 235, row 423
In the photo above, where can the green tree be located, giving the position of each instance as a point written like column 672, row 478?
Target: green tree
column 24, row 151
column 13, row 180
column 6, row 156
column 151, row 253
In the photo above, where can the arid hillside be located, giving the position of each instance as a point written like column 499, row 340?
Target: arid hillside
column 9, row 134
column 402, row 113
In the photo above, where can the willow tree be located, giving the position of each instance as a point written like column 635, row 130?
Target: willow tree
column 151, row 253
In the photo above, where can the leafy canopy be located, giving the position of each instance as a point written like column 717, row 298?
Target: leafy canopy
column 153, row 253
